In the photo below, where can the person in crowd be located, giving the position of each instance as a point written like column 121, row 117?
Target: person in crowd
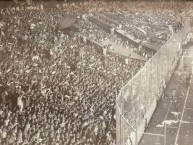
column 173, row 94
column 188, row 79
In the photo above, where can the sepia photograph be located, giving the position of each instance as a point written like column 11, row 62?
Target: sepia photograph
column 96, row 72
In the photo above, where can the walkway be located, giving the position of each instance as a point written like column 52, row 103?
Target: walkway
column 117, row 49
column 122, row 50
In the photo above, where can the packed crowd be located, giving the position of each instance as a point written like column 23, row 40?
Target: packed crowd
column 56, row 88
column 148, row 25
column 99, row 34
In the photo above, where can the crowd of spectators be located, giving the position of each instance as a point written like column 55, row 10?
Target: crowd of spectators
column 101, row 35
column 148, row 25
column 56, row 88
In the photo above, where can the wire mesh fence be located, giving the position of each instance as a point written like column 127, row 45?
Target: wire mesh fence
column 137, row 96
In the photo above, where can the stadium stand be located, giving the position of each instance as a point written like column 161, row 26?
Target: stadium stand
column 56, row 88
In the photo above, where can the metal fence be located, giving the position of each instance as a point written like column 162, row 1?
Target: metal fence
column 133, row 104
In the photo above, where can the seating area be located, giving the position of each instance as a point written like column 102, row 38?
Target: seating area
column 56, row 88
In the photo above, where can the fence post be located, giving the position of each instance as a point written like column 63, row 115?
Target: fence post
column 122, row 121
column 135, row 131
column 165, row 133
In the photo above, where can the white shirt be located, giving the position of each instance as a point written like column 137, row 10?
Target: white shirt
column 126, row 61
column 19, row 101
column 4, row 134
column 104, row 51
